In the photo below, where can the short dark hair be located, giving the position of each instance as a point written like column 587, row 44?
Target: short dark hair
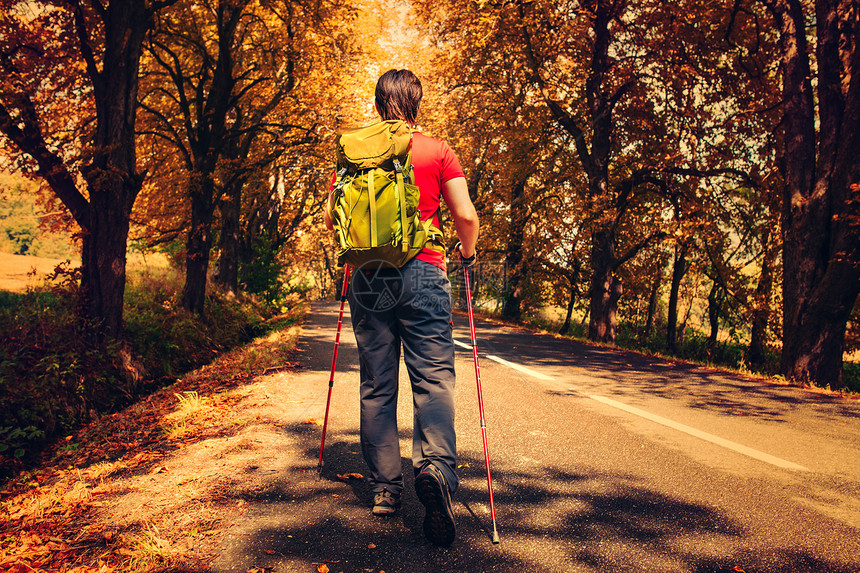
column 398, row 95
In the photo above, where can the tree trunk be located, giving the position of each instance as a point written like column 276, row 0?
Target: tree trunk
column 572, row 278
column 103, row 259
column 209, row 140
column 715, row 301
column 652, row 304
column 761, row 305
column 606, row 290
column 199, row 244
column 679, row 269
column 821, row 197
column 112, row 176
column 813, row 352
column 567, row 318
column 228, row 259
column 514, row 253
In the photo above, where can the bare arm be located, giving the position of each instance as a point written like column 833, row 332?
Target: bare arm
column 326, row 216
column 456, row 194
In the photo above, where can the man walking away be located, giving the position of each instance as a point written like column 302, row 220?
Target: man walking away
column 410, row 307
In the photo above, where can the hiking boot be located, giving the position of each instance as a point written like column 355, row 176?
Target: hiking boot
column 385, row 503
column 432, row 490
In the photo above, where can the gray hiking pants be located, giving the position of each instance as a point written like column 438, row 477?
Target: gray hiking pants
column 412, row 306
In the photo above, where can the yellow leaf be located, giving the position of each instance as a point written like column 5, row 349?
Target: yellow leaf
column 323, row 568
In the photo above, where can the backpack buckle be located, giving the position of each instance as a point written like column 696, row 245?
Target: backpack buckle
column 397, row 167
column 340, row 182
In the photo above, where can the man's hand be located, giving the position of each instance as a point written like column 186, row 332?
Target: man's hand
column 464, row 260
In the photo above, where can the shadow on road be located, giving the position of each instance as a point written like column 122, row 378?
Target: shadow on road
column 550, row 519
column 623, row 372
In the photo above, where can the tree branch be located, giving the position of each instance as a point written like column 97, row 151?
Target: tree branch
column 51, row 167
column 634, row 250
column 85, row 47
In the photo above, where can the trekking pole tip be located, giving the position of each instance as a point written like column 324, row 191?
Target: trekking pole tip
column 495, row 537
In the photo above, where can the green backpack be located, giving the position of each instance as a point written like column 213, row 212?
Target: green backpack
column 374, row 208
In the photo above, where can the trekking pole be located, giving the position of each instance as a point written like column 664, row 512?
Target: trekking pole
column 346, row 271
column 480, row 398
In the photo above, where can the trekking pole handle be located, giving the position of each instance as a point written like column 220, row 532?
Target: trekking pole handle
column 465, row 261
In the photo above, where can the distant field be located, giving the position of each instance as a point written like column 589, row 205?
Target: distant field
column 14, row 271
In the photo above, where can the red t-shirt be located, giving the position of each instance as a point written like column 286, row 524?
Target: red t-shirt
column 433, row 163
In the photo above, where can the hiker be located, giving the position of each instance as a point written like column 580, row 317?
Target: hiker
column 411, row 305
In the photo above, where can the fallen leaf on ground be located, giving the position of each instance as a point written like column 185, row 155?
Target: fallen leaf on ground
column 268, row 552
column 158, row 469
column 345, row 477
column 323, row 568
column 371, row 546
column 313, row 421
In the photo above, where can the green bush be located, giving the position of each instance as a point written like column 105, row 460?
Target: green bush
column 262, row 275
column 20, row 233
column 50, row 378
column 851, row 376
column 168, row 339
column 16, row 441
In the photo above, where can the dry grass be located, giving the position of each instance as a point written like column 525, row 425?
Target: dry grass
column 20, row 272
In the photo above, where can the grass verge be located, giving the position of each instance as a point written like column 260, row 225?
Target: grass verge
column 52, row 381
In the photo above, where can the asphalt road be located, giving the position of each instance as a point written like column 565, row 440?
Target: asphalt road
column 602, row 460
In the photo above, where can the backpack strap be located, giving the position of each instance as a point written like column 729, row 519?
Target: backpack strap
column 335, row 207
column 401, row 191
column 371, row 200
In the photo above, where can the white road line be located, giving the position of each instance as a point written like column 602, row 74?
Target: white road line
column 735, row 447
column 522, row 369
column 741, row 449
